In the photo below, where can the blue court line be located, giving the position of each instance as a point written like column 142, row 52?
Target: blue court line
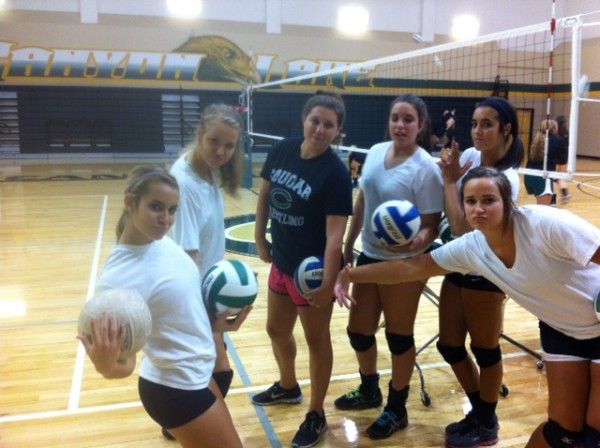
column 260, row 412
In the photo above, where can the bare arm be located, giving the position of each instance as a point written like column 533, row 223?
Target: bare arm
column 336, row 226
column 356, row 224
column 596, row 256
column 452, row 172
column 387, row 272
column 260, row 228
column 395, row 271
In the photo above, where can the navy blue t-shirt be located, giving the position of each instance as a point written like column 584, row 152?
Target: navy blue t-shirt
column 303, row 192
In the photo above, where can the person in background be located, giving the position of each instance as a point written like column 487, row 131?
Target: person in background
column 471, row 304
column 563, row 158
column 542, row 188
column 307, row 195
column 175, row 381
column 214, row 160
column 396, row 169
column 548, row 261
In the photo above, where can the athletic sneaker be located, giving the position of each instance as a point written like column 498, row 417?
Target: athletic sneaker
column 277, row 394
column 477, row 435
column 465, row 424
column 311, row 431
column 388, row 423
column 565, row 199
column 356, row 399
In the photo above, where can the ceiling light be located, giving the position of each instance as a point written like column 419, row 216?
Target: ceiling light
column 185, row 9
column 353, row 19
column 465, row 27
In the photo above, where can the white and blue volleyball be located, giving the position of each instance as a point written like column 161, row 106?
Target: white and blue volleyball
column 396, row 222
column 309, row 274
column 229, row 285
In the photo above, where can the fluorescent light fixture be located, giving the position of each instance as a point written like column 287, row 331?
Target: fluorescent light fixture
column 185, row 9
column 465, row 27
column 353, row 19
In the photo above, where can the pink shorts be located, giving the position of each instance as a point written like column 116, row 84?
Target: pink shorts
column 283, row 284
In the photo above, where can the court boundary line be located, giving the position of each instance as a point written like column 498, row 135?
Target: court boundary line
column 77, row 378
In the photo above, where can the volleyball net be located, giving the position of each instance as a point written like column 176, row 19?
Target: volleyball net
column 537, row 68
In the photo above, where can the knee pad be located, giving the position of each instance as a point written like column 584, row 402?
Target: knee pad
column 487, row 357
column 223, row 380
column 360, row 342
column 452, row 355
column 558, row 437
column 399, row 343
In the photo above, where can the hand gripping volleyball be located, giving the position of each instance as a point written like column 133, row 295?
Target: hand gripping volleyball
column 131, row 311
column 396, row 222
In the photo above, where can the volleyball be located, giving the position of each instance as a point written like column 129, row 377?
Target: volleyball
column 309, row 275
column 396, row 222
column 131, row 311
column 229, row 285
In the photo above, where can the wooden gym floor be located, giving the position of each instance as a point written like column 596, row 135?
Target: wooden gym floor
column 56, row 229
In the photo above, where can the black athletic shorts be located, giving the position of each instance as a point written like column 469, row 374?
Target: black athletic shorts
column 170, row 407
column 475, row 282
column 555, row 342
column 364, row 259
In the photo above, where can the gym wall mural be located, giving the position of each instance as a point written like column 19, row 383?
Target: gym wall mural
column 201, row 62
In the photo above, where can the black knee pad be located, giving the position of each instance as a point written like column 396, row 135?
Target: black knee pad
column 223, row 380
column 399, row 343
column 360, row 342
column 487, row 357
column 452, row 355
column 558, row 437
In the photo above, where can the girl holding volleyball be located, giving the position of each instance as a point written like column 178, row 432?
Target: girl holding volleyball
column 471, row 303
column 397, row 169
column 215, row 159
column 547, row 260
column 307, row 195
column 175, row 382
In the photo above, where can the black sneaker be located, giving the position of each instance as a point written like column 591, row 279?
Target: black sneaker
column 277, row 394
column 477, row 435
column 167, row 435
column 387, row 424
column 311, row 430
column 356, row 399
column 465, row 424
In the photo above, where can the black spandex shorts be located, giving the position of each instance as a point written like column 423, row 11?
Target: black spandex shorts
column 476, row 282
column 170, row 407
column 364, row 259
column 555, row 342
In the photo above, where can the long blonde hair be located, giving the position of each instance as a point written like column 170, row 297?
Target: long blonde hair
column 231, row 174
column 536, row 151
column 138, row 183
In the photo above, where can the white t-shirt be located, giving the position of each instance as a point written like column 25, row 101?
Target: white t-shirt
column 199, row 225
column 417, row 180
column 180, row 351
column 474, row 155
column 552, row 276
